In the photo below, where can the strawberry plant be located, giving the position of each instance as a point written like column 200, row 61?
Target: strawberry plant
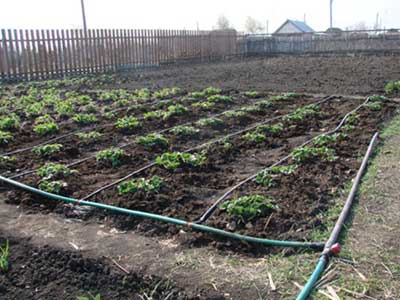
column 254, row 137
column 90, row 109
column 251, row 94
column 5, row 137
column 249, row 207
column 375, row 106
column 111, row 155
column 53, row 187
column 172, row 161
column 209, row 122
column 392, row 87
column 326, row 139
column 34, row 109
column 164, row 103
column 53, row 170
column 47, row 150
column 348, row 128
column 153, row 140
column 219, row 98
column 89, row 136
column 300, row 114
column 127, row 123
column 7, row 161
column 109, row 96
column 301, row 154
column 204, row 105
column 89, row 297
column 9, row 122
column 45, row 128
column 84, row 119
column 4, row 255
column 234, row 114
column 211, row 91
column 352, row 119
column 122, row 103
column 174, row 110
column 142, row 94
column 155, row 114
column 264, row 104
column 154, row 184
column 167, row 93
column 251, row 109
column 64, row 108
column 378, row 98
column 284, row 97
column 266, row 177
column 270, row 129
column 185, row 130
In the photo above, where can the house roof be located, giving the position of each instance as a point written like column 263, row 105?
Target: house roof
column 302, row 26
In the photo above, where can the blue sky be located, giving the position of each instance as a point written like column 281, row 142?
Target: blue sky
column 180, row 14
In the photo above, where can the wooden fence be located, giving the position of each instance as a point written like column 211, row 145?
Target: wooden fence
column 44, row 54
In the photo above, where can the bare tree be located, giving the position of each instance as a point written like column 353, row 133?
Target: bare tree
column 252, row 25
column 359, row 26
column 223, row 23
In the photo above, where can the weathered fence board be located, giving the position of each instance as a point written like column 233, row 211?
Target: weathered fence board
column 42, row 54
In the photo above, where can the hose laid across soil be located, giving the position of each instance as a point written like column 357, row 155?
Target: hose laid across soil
column 324, row 259
column 82, row 160
column 156, row 217
column 214, row 206
column 150, row 165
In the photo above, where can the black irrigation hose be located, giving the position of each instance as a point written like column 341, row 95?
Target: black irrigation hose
column 73, row 132
column 330, row 247
column 25, row 173
column 325, row 99
column 214, row 206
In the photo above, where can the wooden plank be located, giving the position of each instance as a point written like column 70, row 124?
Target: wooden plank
column 63, row 50
column 158, row 40
column 114, row 50
column 137, row 48
column 29, row 55
column 41, row 63
column 61, row 53
column 85, row 52
column 35, row 56
column 6, row 63
column 70, row 51
column 49, row 55
column 11, row 48
column 24, row 55
column 95, row 35
column 90, row 51
column 102, row 55
column 18, row 64
column 130, row 48
column 56, row 54
column 43, row 48
column 78, row 51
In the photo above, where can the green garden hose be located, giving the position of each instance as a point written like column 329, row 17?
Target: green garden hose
column 141, row 214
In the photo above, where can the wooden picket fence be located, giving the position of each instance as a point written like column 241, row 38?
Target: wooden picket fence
column 46, row 54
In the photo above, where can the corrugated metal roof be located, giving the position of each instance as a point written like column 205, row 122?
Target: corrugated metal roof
column 301, row 25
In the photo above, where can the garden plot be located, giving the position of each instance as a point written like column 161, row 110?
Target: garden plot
column 173, row 153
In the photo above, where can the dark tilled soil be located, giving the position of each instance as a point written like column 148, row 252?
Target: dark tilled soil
column 46, row 273
column 358, row 75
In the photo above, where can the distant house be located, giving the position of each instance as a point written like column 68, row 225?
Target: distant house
column 294, row 27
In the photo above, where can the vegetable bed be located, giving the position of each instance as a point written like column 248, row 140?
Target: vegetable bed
column 174, row 152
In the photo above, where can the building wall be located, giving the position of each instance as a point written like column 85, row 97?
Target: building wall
column 289, row 28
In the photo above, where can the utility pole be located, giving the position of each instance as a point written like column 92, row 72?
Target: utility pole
column 331, row 21
column 83, row 15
